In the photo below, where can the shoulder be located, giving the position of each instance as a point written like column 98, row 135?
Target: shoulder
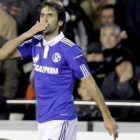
column 67, row 42
column 29, row 41
column 38, row 40
column 38, row 37
column 35, row 39
column 68, row 45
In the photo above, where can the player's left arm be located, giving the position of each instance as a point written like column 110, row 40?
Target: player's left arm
column 76, row 61
column 109, row 122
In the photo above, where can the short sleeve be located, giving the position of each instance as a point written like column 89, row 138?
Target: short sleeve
column 76, row 61
column 25, row 49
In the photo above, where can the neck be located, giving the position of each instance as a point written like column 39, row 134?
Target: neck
column 51, row 36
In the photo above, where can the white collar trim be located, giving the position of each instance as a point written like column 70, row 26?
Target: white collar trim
column 54, row 40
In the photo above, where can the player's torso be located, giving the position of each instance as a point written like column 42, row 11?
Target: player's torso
column 54, row 82
column 52, row 73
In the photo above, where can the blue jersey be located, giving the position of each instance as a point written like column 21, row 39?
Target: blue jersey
column 57, row 63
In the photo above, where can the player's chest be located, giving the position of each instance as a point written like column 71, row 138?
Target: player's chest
column 48, row 56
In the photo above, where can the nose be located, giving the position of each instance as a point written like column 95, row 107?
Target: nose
column 44, row 18
column 107, row 39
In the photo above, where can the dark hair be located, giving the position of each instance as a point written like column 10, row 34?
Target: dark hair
column 58, row 8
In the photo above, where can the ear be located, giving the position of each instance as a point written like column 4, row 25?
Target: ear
column 60, row 23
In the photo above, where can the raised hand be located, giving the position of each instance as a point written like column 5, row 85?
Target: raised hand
column 38, row 27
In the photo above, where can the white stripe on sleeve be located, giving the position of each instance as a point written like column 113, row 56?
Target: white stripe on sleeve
column 84, row 70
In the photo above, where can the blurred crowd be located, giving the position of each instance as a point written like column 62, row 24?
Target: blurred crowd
column 108, row 31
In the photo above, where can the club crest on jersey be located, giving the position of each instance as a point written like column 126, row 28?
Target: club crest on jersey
column 56, row 57
column 36, row 58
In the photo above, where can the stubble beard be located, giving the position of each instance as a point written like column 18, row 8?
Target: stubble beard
column 46, row 32
column 49, row 31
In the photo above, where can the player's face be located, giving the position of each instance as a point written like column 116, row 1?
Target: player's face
column 50, row 16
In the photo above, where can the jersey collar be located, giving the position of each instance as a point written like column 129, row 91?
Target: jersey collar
column 54, row 40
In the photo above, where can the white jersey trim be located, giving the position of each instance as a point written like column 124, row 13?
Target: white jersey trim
column 54, row 41
column 84, row 70
column 39, row 37
column 25, row 42
column 68, row 42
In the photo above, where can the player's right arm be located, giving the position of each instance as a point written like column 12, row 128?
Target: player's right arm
column 9, row 50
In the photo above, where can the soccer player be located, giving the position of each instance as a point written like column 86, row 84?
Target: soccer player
column 57, row 63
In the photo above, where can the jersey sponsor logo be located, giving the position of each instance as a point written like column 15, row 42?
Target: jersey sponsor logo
column 78, row 56
column 45, row 69
column 56, row 57
column 36, row 58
